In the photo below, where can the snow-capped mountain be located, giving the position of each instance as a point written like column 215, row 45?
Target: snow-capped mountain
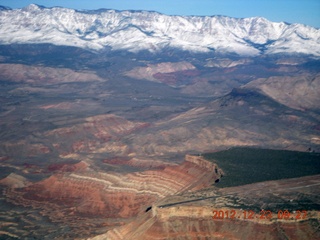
column 152, row 31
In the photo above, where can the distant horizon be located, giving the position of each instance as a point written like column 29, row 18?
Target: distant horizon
column 303, row 12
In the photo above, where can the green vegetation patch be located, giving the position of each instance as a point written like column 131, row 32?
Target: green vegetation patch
column 250, row 165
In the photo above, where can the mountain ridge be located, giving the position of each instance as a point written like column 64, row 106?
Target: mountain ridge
column 136, row 31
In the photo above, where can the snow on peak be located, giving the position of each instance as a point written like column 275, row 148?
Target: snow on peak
column 32, row 7
column 152, row 31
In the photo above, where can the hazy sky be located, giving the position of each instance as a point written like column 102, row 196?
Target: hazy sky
column 292, row 11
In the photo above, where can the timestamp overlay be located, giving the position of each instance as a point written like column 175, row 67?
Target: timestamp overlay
column 262, row 215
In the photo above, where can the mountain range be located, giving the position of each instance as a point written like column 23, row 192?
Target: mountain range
column 152, row 31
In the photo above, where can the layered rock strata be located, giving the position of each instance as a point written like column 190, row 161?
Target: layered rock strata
column 83, row 193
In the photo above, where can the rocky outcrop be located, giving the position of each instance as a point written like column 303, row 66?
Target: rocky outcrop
column 200, row 161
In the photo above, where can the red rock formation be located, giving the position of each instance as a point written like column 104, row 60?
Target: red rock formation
column 109, row 195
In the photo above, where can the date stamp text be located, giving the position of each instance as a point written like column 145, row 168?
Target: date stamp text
column 262, row 215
